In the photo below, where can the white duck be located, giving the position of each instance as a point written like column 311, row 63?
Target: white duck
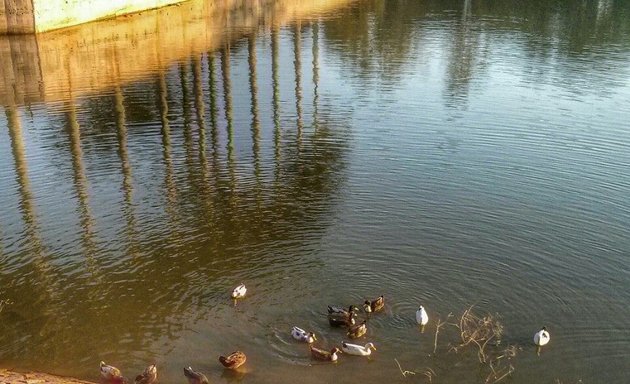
column 421, row 316
column 358, row 350
column 239, row 292
column 541, row 337
column 301, row 335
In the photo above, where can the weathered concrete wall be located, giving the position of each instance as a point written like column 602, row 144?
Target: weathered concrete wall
column 28, row 16
column 94, row 57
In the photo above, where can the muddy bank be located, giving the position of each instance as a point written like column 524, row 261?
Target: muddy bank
column 11, row 377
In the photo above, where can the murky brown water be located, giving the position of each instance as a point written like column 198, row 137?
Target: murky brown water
column 439, row 152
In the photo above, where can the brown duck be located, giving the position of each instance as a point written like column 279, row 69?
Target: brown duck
column 111, row 374
column 335, row 310
column 195, row 377
column 324, row 355
column 342, row 318
column 374, row 305
column 149, row 376
column 357, row 330
column 233, row 360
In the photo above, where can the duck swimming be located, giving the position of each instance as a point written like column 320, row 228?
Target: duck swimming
column 541, row 337
column 239, row 292
column 111, row 374
column 333, row 309
column 301, row 335
column 422, row 318
column 358, row 350
column 374, row 305
column 195, row 377
column 321, row 354
column 357, row 331
column 149, row 376
column 233, row 360
column 340, row 320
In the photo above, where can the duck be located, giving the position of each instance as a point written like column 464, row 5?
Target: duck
column 340, row 320
column 333, row 309
column 324, row 355
column 149, row 376
column 195, row 377
column 301, row 335
column 233, row 360
column 111, row 373
column 239, row 292
column 357, row 331
column 374, row 305
column 541, row 337
column 358, row 350
column 421, row 316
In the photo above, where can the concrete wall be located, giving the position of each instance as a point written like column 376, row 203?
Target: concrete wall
column 54, row 14
column 27, row 16
column 95, row 57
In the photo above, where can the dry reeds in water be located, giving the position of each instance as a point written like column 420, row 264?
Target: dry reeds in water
column 479, row 331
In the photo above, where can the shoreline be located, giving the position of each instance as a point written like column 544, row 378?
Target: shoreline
column 9, row 376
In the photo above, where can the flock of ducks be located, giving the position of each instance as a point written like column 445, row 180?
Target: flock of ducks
column 337, row 317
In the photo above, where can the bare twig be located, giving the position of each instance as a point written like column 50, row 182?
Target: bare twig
column 438, row 325
column 403, row 372
column 494, row 377
column 429, row 373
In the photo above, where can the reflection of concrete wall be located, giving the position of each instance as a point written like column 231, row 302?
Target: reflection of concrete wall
column 16, row 16
column 92, row 57
column 20, row 75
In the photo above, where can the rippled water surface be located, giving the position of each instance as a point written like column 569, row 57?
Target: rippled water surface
column 444, row 153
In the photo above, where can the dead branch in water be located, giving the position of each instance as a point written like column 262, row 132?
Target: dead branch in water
column 427, row 372
column 438, row 325
column 404, row 373
column 498, row 374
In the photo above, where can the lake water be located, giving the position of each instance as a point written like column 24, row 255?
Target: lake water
column 444, row 153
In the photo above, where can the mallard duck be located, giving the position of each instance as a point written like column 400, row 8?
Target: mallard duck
column 149, row 376
column 321, row 354
column 195, row 377
column 374, row 305
column 302, row 335
column 340, row 320
column 421, row 316
column 358, row 350
column 541, row 337
column 233, row 360
column 335, row 310
column 239, row 292
column 357, row 330
column 111, row 373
